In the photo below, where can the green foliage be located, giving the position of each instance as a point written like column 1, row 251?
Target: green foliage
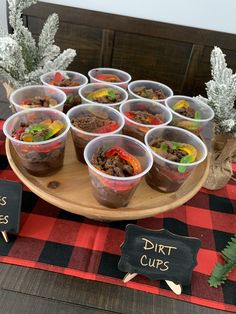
column 220, row 272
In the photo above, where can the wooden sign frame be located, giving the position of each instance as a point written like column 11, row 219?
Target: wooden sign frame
column 159, row 255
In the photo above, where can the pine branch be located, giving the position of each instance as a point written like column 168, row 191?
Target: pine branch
column 62, row 61
column 28, row 47
column 220, row 272
column 21, row 60
column 229, row 252
column 47, row 49
column 11, row 58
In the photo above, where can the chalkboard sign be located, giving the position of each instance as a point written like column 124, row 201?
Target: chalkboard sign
column 159, row 254
column 10, row 205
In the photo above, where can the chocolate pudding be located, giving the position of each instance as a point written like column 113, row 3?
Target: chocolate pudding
column 135, row 132
column 161, row 179
column 79, row 144
column 110, row 197
column 92, row 122
column 182, row 107
column 149, row 93
column 115, row 162
column 43, row 164
column 105, row 96
column 168, row 178
column 66, row 82
column 45, row 159
column 142, row 117
column 39, row 101
column 71, row 101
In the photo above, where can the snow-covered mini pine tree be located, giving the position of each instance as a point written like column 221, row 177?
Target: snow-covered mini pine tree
column 221, row 97
column 22, row 60
column 221, row 94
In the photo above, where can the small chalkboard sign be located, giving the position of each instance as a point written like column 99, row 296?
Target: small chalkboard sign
column 10, row 206
column 158, row 254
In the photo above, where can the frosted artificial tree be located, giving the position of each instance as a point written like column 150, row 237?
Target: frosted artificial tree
column 221, row 96
column 22, row 60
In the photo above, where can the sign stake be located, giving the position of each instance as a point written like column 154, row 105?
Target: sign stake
column 4, row 234
column 176, row 288
column 129, row 277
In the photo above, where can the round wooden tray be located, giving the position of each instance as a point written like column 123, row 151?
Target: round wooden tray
column 74, row 192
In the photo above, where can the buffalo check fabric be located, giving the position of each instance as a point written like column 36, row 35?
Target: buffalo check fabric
column 56, row 240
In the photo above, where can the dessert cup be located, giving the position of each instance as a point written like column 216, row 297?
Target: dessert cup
column 156, row 86
column 81, row 137
column 72, row 92
column 38, row 158
column 181, row 121
column 95, row 76
column 29, row 92
column 112, row 191
column 138, row 130
column 93, row 87
column 166, row 175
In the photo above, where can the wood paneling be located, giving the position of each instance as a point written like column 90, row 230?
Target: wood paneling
column 176, row 55
column 151, row 58
column 86, row 40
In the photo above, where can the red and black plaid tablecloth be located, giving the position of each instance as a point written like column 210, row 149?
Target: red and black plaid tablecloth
column 56, row 240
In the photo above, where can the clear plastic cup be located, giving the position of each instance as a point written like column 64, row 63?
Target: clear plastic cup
column 29, row 92
column 73, row 98
column 138, row 130
column 92, row 87
column 123, row 76
column 80, row 137
column 38, row 158
column 193, row 125
column 166, row 175
column 114, row 191
column 155, row 86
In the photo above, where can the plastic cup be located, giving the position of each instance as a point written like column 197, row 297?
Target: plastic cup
column 138, row 130
column 114, row 191
column 80, row 137
column 165, row 175
column 73, row 98
column 123, row 76
column 92, row 87
column 29, row 92
column 150, row 85
column 38, row 158
column 193, row 125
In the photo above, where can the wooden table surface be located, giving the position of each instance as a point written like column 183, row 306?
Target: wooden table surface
column 26, row 290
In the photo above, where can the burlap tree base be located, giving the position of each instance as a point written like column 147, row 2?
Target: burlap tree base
column 224, row 151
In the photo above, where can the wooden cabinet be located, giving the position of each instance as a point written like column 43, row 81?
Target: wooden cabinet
column 175, row 55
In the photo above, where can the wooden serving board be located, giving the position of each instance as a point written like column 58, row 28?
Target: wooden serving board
column 74, row 193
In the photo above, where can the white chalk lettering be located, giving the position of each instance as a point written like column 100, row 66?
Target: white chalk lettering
column 4, row 219
column 3, row 200
column 154, row 263
column 158, row 248
column 141, row 260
